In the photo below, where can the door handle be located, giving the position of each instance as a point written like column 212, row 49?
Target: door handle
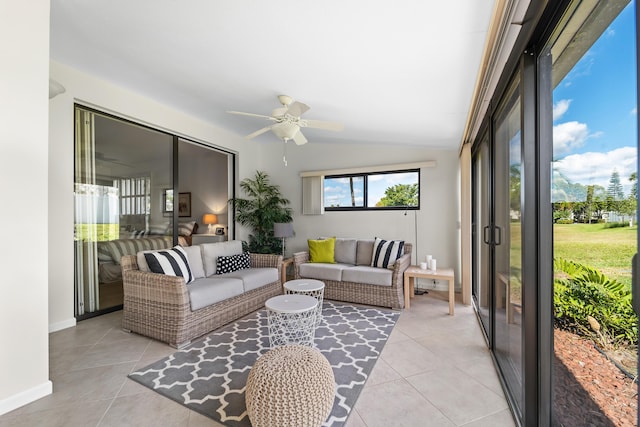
column 498, row 239
column 485, row 235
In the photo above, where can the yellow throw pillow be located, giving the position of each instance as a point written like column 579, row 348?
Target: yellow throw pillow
column 322, row 250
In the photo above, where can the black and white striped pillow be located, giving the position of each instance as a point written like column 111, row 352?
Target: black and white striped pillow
column 386, row 252
column 172, row 262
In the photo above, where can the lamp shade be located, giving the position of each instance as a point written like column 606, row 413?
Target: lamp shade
column 209, row 218
column 282, row 229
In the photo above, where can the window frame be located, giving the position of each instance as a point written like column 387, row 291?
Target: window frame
column 365, row 176
column 134, row 195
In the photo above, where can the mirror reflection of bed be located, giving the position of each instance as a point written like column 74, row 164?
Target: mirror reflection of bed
column 110, row 273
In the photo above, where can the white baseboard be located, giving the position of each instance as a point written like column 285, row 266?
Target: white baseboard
column 58, row 326
column 25, row 397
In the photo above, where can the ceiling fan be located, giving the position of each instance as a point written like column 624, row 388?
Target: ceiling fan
column 287, row 121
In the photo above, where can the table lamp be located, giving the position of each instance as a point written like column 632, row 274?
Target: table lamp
column 210, row 219
column 282, row 230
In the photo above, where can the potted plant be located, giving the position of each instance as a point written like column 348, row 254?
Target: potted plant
column 263, row 207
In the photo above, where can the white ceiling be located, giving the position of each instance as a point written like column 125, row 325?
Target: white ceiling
column 393, row 72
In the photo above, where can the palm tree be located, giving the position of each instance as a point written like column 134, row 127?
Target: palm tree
column 263, row 207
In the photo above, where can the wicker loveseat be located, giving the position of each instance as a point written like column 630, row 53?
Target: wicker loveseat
column 352, row 278
column 165, row 308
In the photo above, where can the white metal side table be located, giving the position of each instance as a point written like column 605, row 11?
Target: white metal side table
column 291, row 319
column 311, row 287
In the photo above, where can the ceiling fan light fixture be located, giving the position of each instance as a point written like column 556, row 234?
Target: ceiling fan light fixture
column 285, row 130
column 285, row 100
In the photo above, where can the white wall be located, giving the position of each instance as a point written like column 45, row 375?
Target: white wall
column 88, row 90
column 437, row 220
column 204, row 174
column 24, row 353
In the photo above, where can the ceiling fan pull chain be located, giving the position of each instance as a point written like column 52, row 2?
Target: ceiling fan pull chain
column 284, row 151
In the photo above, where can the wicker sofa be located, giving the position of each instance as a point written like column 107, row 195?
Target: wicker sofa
column 165, row 308
column 352, row 279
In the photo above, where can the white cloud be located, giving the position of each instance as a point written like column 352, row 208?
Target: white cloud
column 569, row 135
column 332, row 189
column 596, row 168
column 560, row 107
column 634, row 111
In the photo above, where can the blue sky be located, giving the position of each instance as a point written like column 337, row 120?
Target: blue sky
column 595, row 109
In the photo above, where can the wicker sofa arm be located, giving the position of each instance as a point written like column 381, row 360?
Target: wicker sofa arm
column 266, row 260
column 153, row 287
column 299, row 258
column 401, row 264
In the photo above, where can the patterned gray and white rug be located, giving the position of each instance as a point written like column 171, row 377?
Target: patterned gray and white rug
column 210, row 376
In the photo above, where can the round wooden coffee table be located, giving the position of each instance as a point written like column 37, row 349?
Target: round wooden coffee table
column 291, row 319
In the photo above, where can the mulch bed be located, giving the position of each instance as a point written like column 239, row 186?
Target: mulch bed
column 589, row 389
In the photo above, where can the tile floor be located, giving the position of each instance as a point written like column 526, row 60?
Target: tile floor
column 435, row 370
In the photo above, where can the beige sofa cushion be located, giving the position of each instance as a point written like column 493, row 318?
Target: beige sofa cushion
column 364, row 252
column 211, row 252
column 345, row 251
column 194, row 255
column 367, row 275
column 253, row 278
column 206, row 291
column 322, row 271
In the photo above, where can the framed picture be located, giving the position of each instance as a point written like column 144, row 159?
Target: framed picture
column 220, row 231
column 184, row 204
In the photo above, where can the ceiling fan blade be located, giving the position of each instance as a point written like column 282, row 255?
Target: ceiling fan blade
column 259, row 132
column 320, row 124
column 299, row 138
column 297, row 109
column 251, row 115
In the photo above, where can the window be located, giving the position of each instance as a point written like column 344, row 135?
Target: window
column 167, row 201
column 379, row 190
column 134, row 195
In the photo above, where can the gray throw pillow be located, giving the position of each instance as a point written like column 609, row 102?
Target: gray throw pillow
column 345, row 251
column 364, row 252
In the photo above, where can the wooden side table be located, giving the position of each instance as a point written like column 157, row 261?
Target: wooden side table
column 414, row 271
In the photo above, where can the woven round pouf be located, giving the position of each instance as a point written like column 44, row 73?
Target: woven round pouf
column 290, row 386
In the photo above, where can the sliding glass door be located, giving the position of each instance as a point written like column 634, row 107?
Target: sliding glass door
column 506, row 236
column 497, row 236
column 555, row 220
column 120, row 171
column 481, row 228
column 126, row 177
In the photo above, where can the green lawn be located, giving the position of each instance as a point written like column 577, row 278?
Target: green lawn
column 606, row 249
